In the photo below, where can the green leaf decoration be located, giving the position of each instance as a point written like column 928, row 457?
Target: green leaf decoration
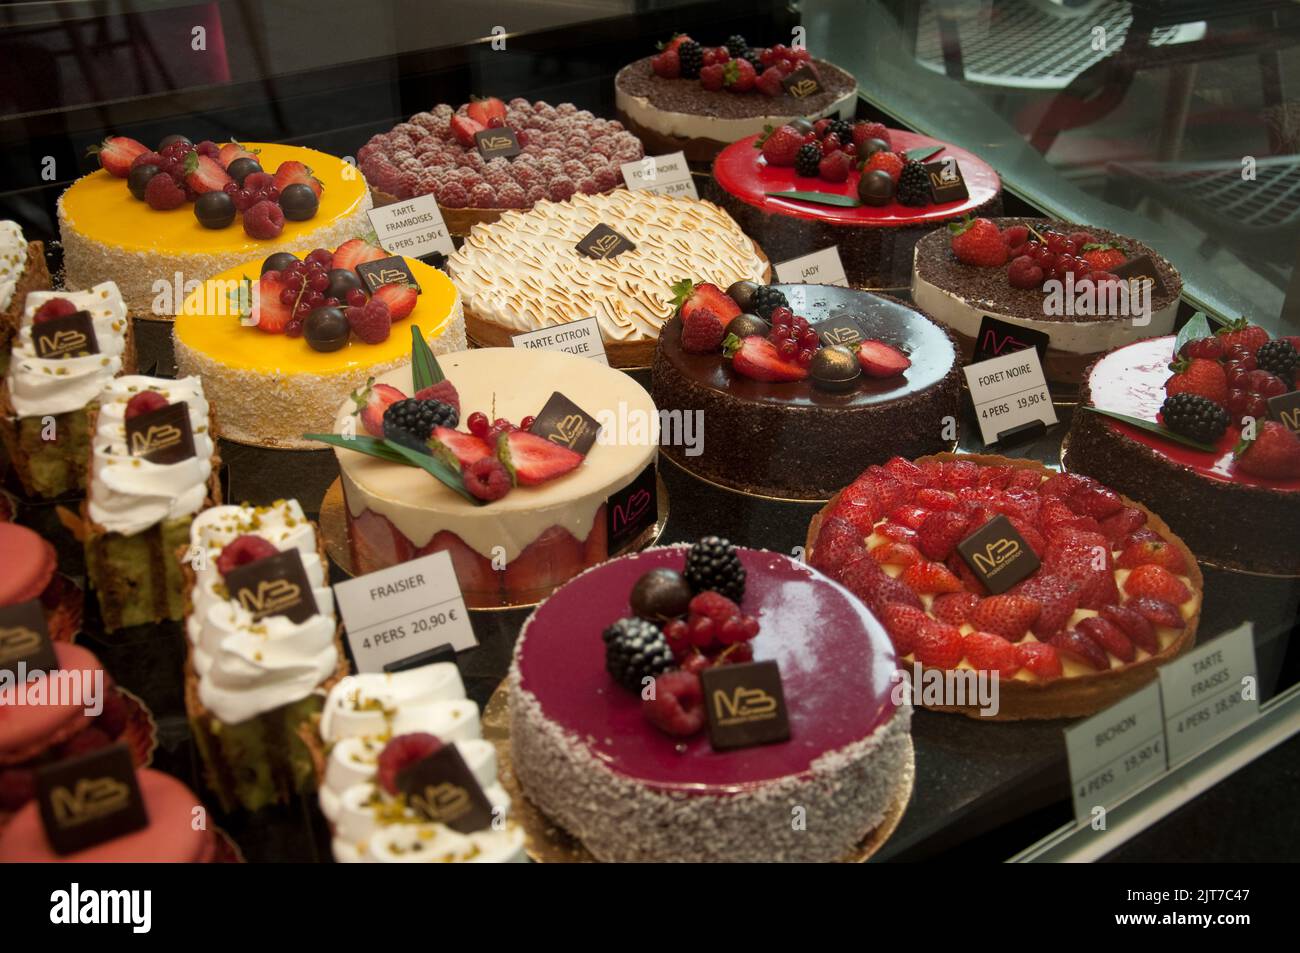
column 1154, row 428
column 361, row 443
column 821, row 198
column 921, row 153
column 425, row 371
column 435, row 467
column 1195, row 329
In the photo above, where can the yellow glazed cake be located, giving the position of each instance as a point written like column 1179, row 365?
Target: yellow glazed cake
column 270, row 389
column 110, row 235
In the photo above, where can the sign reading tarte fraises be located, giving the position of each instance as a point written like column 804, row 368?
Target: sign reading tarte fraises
column 581, row 338
column 161, row 436
column 412, row 227
column 1208, row 692
column 275, row 585
column 404, row 610
column 745, row 705
column 665, row 175
column 498, row 143
column 69, row 335
column 89, row 800
column 25, row 645
column 603, row 243
column 1116, row 751
column 1008, row 392
column 816, row 268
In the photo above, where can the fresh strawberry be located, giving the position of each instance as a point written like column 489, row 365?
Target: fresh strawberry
column 938, row 644
column 835, row 167
column 927, row 577
column 887, row 162
column 878, row 359
column 231, row 151
column 896, row 554
column 357, row 251
column 952, row 607
column 401, row 299
column 909, row 515
column 271, row 313
column 460, row 449
column 899, row 534
column 1156, row 582
column 677, row 706
column 667, row 64
column 1095, row 500
column 1075, row 645
column 903, row 622
column 1157, row 612
column 702, row 332
column 933, row 498
column 1109, row 636
column 532, row 460
column 978, row 242
column 116, row 153
column 1060, row 484
column 1102, row 256
column 295, row 173
column 1152, row 552
column 739, row 76
column 1039, row 658
column 690, row 297
column 938, row 535
column 989, row 652
column 677, row 40
column 1240, row 331
column 1120, row 524
column 780, row 145
column 862, row 131
column 906, row 471
column 1198, row 376
column 1057, row 600
column 876, row 588
column 861, row 504
column 838, row 544
column 1133, row 624
column 205, row 174
column 769, row 82
column 757, row 358
column 444, row 391
column 1274, row 453
column 1006, row 615
column 969, row 581
column 372, row 400
column 485, row 110
column 463, row 128
column 400, row 752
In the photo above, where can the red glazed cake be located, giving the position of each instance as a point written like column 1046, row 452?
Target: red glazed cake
column 1182, row 482
column 592, row 760
column 875, row 241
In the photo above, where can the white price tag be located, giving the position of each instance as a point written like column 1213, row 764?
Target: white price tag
column 577, row 337
column 406, row 609
column 667, row 175
column 818, row 268
column 1116, row 751
column 412, row 227
column 1009, row 391
column 1209, row 691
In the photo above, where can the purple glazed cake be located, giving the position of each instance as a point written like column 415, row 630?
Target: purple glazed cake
column 589, row 758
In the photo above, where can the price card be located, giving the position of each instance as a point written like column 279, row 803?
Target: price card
column 1008, row 392
column 818, row 268
column 667, row 175
column 1116, row 751
column 1209, row 691
column 412, row 227
column 577, row 337
column 404, row 610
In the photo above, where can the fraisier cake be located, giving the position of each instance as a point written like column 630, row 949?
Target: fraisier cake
column 156, row 247
column 640, row 781
column 524, row 272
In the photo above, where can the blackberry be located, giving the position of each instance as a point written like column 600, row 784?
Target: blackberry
column 635, row 649
column 410, row 422
column 807, row 159
column 913, row 185
column 755, row 60
column 766, row 298
column 843, row 130
column 736, row 45
column 713, row 564
column 690, row 56
column 1278, row 357
column 1195, row 416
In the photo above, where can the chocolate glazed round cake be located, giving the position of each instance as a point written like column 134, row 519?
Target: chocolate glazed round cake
column 795, row 440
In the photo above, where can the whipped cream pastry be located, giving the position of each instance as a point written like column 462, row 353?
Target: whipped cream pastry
column 129, row 494
column 524, row 271
column 246, row 668
column 39, row 386
column 362, row 713
column 13, row 261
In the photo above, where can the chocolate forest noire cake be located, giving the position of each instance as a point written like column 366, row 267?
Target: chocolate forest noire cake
column 866, row 189
column 696, row 99
column 801, row 386
column 637, row 775
column 1196, row 435
column 1066, row 281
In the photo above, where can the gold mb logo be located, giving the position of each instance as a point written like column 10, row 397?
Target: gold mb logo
column 568, row 430
column 842, row 336
column 997, row 555
column 270, row 597
column 89, row 800
column 61, row 342
column 157, row 437
column 803, row 87
column 17, row 642
column 743, row 704
column 443, row 802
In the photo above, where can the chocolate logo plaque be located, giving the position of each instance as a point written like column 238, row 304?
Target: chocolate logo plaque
column 72, row 335
column 500, row 142
column 1285, row 409
column 443, row 789
column 745, row 705
column 563, row 422
column 946, row 181
column 998, row 555
column 89, row 800
column 25, row 639
column 632, row 510
column 602, row 243
column 998, row 337
column 1139, row 269
column 802, row 83
column 843, row 329
column 392, row 270
column 161, row 436
column 276, row 585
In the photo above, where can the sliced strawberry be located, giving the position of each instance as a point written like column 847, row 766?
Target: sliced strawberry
column 295, row 173
column 902, row 622
column 1075, row 645
column 838, row 544
column 896, row 554
column 204, row 174
column 954, row 607
column 940, row 533
column 879, row 359
column 1157, row 612
column 938, row 644
column 116, row 153
column 486, row 109
column 401, row 299
column 231, row 151
column 463, row 128
column 1109, row 636
column 1057, row 599
column 927, row 577
column 909, row 515
column 1119, row 525
column 271, row 313
column 444, row 391
column 462, row 448
column 691, row 297
column 1007, row 615
column 989, row 652
column 1152, row 552
column 356, row 251
column 372, row 400
column 532, row 460
column 1039, row 658
column 1133, row 624
column 866, row 580
column 757, row 358
column 859, row 503
column 1156, row 582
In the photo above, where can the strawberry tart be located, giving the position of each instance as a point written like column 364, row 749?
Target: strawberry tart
column 802, row 385
column 561, row 151
column 696, row 99
column 804, row 671
column 868, row 190
column 1050, row 277
column 158, row 221
column 470, row 464
column 1200, row 425
column 280, row 341
column 1104, row 592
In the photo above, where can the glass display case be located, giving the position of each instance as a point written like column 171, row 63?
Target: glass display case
column 647, row 431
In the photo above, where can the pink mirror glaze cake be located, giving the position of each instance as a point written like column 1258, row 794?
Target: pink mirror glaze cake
column 592, row 761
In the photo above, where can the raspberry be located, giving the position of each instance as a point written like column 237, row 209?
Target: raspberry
column 263, row 220
column 162, row 193
column 371, row 323
column 714, row 605
column 54, row 308
column 677, row 707
column 243, row 550
column 608, row 177
column 143, row 403
column 482, row 196
column 561, row 188
column 453, row 195
column 401, row 751
column 588, row 186
column 487, row 478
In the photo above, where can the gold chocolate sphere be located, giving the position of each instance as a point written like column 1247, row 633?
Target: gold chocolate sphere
column 835, row 368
